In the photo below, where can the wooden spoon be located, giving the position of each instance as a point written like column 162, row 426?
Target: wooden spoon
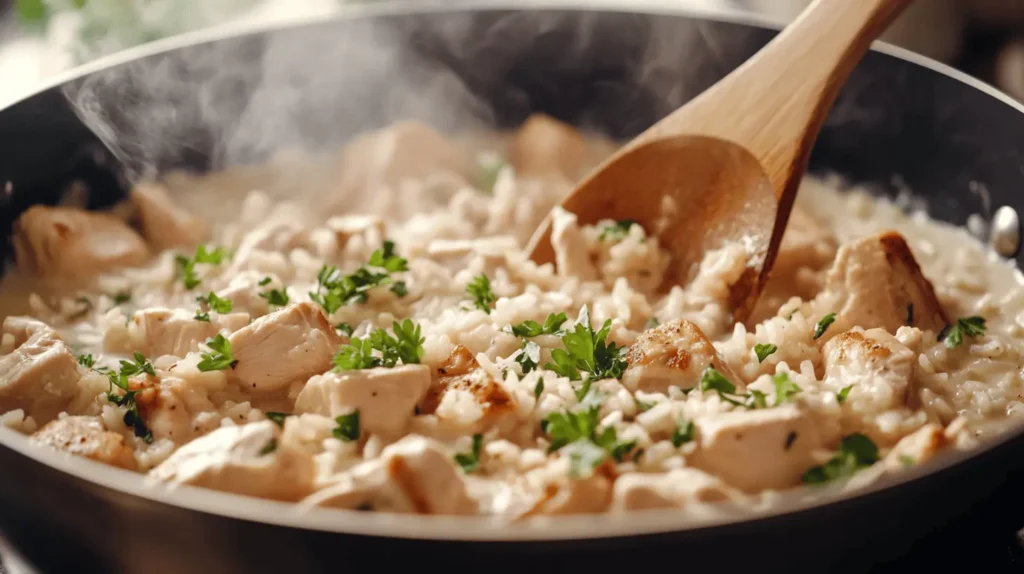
column 726, row 166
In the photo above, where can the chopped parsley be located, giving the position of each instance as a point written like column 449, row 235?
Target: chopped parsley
column 953, row 335
column 132, row 417
column 843, row 393
column 764, row 351
column 529, row 358
column 586, row 447
column 269, row 448
column 617, row 231
column 538, row 388
column 276, row 297
column 86, row 361
column 265, row 281
column 823, row 325
column 348, row 427
column 856, row 451
column 682, row 434
column 784, row 388
column 713, row 380
column 471, row 461
column 587, row 351
column 122, row 297
column 211, row 303
column 278, row 418
column 345, row 328
column 187, row 265
column 219, row 358
column 335, row 290
column 480, row 290
column 528, row 328
column 406, row 346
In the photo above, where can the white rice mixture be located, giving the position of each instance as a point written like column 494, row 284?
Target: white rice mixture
column 479, row 425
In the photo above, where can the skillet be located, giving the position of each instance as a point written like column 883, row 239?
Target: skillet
column 236, row 96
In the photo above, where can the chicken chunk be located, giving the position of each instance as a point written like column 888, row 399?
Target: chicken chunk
column 560, row 493
column 674, row 353
column 85, row 436
column 465, row 396
column 757, row 450
column 877, row 365
column 385, row 398
column 674, row 489
column 545, row 147
column 917, row 448
column 413, row 475
column 876, row 282
column 40, row 376
column 66, row 243
column 164, row 224
column 247, row 459
column 286, row 346
column 155, row 332
column 405, row 151
column 572, row 259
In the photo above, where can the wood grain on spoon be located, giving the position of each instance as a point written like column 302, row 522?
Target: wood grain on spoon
column 726, row 166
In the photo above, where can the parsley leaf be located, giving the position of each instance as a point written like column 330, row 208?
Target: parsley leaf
column 713, row 380
column 345, row 328
column 278, row 418
column 784, row 388
column 764, row 351
column 534, row 329
column 187, row 265
column 335, row 290
column 211, row 303
column 529, row 358
column 269, row 448
column 588, row 351
column 538, row 388
column 122, row 297
column 856, row 451
column 617, row 231
column 584, row 457
column 139, row 364
column 406, row 346
column 480, row 290
column 843, row 393
column 823, row 325
column 756, row 400
column 220, row 357
column 348, row 427
column 577, row 430
column 471, row 461
column 682, row 434
column 969, row 326
column 265, row 281
column 132, row 417
column 276, row 297
column 86, row 361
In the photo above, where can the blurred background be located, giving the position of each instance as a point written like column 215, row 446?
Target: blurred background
column 40, row 38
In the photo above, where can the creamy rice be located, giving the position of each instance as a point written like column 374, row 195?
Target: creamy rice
column 677, row 441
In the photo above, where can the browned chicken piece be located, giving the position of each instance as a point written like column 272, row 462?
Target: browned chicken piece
column 546, row 147
column 85, row 436
column 157, row 332
column 41, row 375
column 405, row 151
column 674, row 489
column 807, row 248
column 462, row 374
column 757, row 450
column 249, row 459
column 165, row 225
column 675, row 353
column 877, row 365
column 67, row 243
column 561, row 494
column 917, row 448
column 286, row 346
column 876, row 282
column 385, row 398
column 414, row 475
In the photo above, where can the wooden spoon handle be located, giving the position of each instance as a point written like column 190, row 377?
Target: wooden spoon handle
column 776, row 102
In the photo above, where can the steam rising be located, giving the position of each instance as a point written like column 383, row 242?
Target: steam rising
column 238, row 101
